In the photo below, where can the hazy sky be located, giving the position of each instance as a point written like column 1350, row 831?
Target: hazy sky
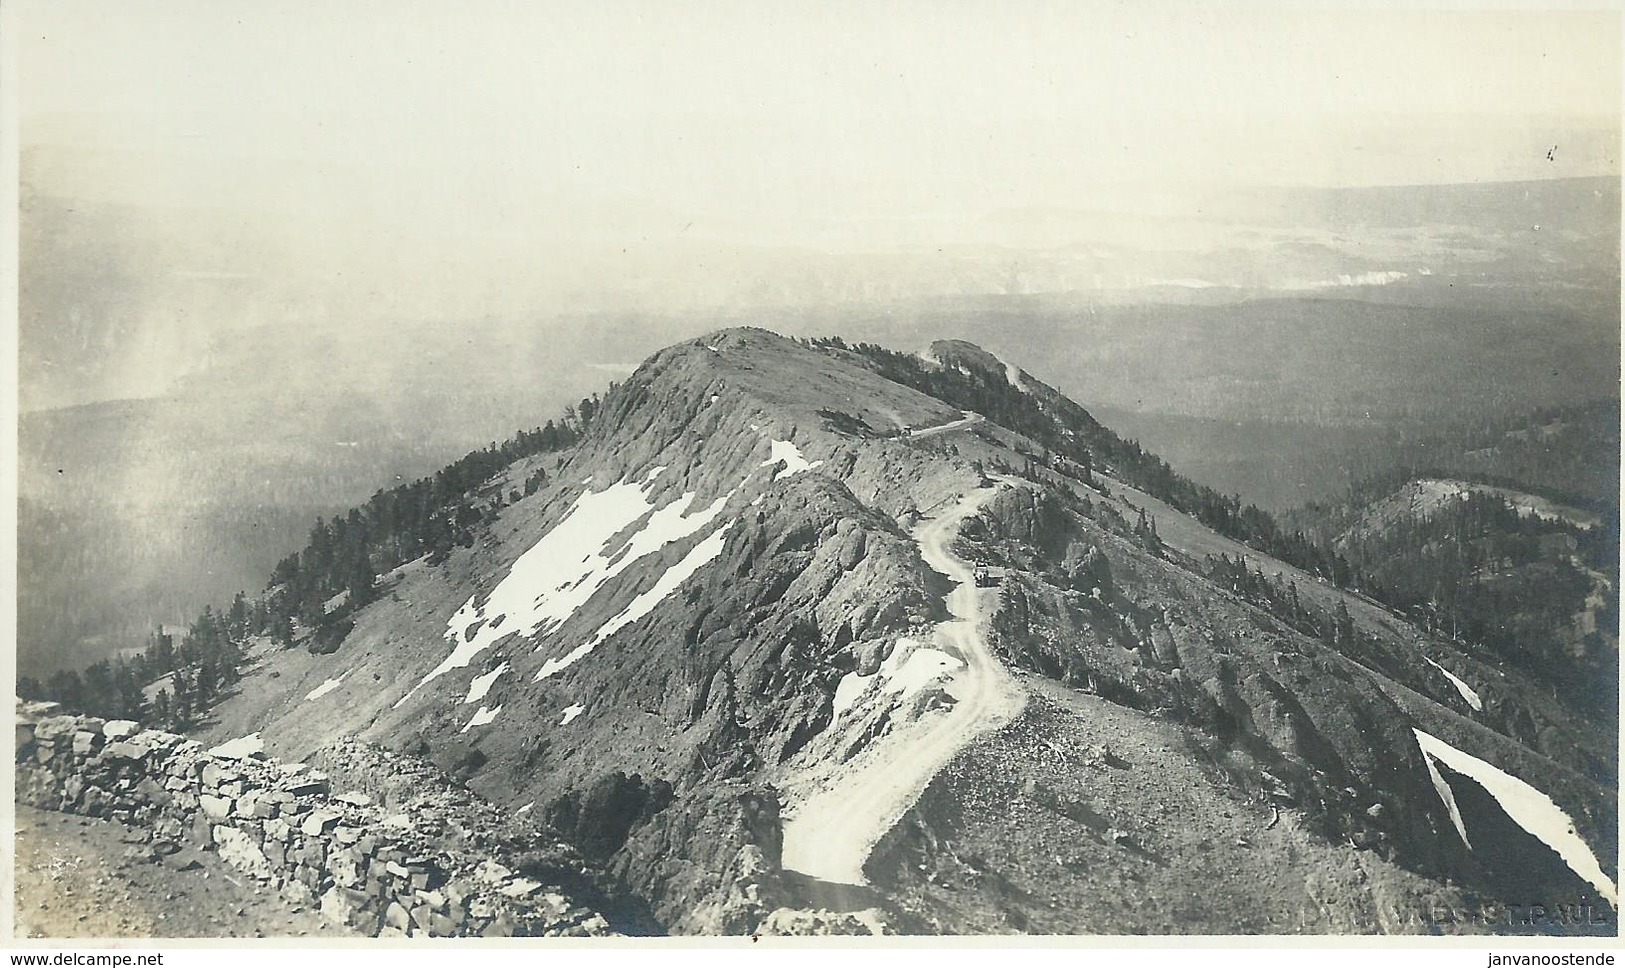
column 451, row 158
column 766, row 110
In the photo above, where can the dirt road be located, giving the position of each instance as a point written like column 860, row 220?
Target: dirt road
column 77, row 877
column 966, row 421
column 830, row 835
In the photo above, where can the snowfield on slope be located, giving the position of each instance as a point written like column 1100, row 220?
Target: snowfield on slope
column 1462, row 687
column 482, row 684
column 326, row 687
column 698, row 557
column 829, row 834
column 569, row 564
column 1529, row 808
column 482, row 717
column 788, row 454
column 562, row 571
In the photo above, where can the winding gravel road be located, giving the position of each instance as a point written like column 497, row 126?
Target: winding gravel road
column 830, row 835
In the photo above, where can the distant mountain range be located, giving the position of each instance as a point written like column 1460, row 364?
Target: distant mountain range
column 273, row 400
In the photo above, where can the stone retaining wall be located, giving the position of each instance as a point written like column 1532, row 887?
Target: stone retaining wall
column 383, row 873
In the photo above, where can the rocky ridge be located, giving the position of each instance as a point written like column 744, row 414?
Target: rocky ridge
column 666, row 720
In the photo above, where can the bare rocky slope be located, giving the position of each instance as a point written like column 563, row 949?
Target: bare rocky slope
column 719, row 606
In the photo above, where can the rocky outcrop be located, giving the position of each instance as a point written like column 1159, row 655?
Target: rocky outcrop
column 1296, row 723
column 383, row 869
column 710, row 862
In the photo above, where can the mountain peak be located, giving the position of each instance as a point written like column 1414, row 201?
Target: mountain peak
column 773, row 598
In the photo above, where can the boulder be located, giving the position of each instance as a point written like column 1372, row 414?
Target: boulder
column 312, row 853
column 53, row 728
column 241, row 748
column 120, row 728
column 125, row 750
column 25, row 737
column 348, row 869
column 520, row 887
column 306, row 785
column 396, row 917
column 34, row 710
column 238, row 849
column 320, row 822
column 215, row 775
column 341, row 905
column 161, row 738
column 276, row 852
column 215, row 808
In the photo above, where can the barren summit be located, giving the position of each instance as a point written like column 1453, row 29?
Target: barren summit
column 809, row 637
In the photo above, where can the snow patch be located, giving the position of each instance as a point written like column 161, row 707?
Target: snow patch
column 1466, row 691
column 567, row 566
column 698, row 557
column 1529, row 808
column 326, row 687
column 1013, row 374
column 1442, row 787
column 527, row 808
column 482, row 684
column 920, row 669
column 554, row 666
column 909, row 669
column 848, row 690
column 571, row 712
column 788, row 454
column 482, row 717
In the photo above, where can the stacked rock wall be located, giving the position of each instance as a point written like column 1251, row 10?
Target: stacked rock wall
column 383, row 873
